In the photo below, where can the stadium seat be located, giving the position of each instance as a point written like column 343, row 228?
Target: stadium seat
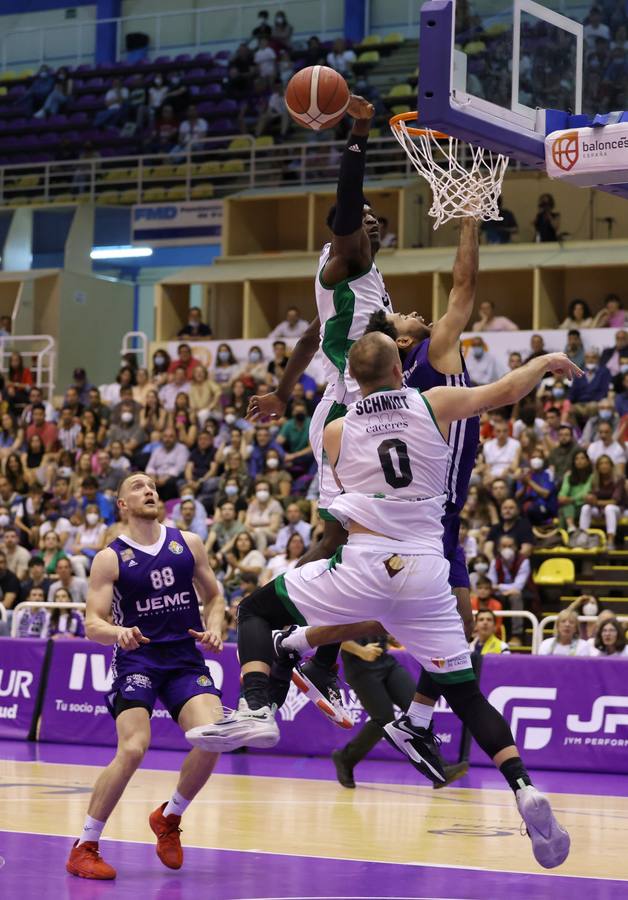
column 161, row 172
column 8, row 75
column 206, row 168
column 474, row 48
column 120, row 175
column 154, row 195
column 233, row 167
column 240, row 143
column 400, row 108
column 366, row 61
column 399, row 93
column 202, row 192
column 176, row 193
column 371, row 42
column 65, row 199
column 555, row 571
column 496, row 29
column 26, row 181
column 394, row 39
column 108, row 197
column 264, row 141
column 130, row 196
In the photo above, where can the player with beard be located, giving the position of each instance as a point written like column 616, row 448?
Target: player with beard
column 149, row 581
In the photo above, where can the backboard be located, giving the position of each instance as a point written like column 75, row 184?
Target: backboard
column 489, row 70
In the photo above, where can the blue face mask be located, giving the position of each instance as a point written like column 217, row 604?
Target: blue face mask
column 558, row 392
column 478, row 352
column 605, row 414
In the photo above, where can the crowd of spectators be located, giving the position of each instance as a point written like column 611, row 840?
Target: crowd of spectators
column 548, row 58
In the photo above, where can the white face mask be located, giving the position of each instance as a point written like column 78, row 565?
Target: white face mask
column 508, row 554
column 591, row 367
column 126, row 417
column 92, row 518
column 536, row 463
column 481, row 567
column 4, row 521
column 230, row 418
column 272, row 463
column 262, row 496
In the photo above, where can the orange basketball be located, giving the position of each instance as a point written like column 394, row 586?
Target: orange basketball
column 317, row 97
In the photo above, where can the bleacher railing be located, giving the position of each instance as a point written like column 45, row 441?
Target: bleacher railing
column 38, row 351
column 179, row 31
column 136, row 342
column 216, row 167
column 25, row 605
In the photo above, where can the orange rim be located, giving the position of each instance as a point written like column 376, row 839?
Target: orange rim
column 416, row 132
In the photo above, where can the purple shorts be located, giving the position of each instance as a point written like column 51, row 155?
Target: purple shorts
column 458, row 572
column 171, row 671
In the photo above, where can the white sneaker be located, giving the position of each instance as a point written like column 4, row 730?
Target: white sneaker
column 550, row 841
column 243, row 727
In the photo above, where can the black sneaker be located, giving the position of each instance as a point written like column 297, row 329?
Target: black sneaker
column 283, row 655
column 344, row 772
column 321, row 686
column 452, row 773
column 420, row 745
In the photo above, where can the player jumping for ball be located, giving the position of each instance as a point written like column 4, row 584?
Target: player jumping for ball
column 393, row 568
column 150, row 580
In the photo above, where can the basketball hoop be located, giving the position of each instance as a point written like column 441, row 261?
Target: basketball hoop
column 459, row 190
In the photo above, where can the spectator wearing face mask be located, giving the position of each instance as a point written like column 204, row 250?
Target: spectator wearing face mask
column 264, row 516
column 478, row 568
column 295, row 441
column 606, row 499
column 89, row 538
column 585, row 393
column 255, row 369
column 513, row 525
column 195, row 329
column 225, row 368
column 555, row 396
column 161, row 364
column 280, row 479
column 605, row 413
column 129, row 432
column 157, row 94
column 262, row 443
column 509, row 573
column 536, row 491
column 481, row 365
column 282, row 30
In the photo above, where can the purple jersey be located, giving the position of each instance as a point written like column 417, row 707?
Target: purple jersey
column 464, row 435
column 154, row 588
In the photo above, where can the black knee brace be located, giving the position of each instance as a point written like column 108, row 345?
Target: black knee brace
column 488, row 727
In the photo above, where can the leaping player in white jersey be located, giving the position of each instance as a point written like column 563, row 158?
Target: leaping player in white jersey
column 392, row 569
column 349, row 289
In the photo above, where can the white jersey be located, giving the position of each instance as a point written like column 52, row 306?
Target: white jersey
column 344, row 310
column 392, row 467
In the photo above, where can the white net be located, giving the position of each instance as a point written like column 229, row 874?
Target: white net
column 465, row 180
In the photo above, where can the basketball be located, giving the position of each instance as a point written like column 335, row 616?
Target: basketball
column 317, row 97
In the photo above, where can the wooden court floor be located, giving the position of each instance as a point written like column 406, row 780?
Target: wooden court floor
column 403, row 824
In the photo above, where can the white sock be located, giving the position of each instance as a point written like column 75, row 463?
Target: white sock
column 420, row 714
column 297, row 640
column 177, row 805
column 92, row 829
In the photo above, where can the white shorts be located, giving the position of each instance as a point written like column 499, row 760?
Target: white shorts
column 326, row 411
column 392, row 582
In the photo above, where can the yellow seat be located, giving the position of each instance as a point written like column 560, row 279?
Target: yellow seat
column 264, row 141
column 181, row 171
column 129, row 196
column 164, row 171
column 67, row 199
column 154, row 195
column 240, row 143
column 8, row 75
column 399, row 108
column 473, row 48
column 202, row 192
column 206, row 168
column 111, row 197
column 120, row 175
column 372, row 41
column 496, row 29
column 556, row 571
column 233, row 167
column 18, row 201
column 401, row 90
column 176, row 193
column 395, row 37
column 370, row 58
column 3, row 91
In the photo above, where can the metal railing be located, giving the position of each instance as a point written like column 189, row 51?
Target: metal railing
column 215, row 167
column 41, row 348
column 136, row 342
column 179, row 31
column 25, row 605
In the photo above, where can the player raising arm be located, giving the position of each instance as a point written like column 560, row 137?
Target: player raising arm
column 149, row 580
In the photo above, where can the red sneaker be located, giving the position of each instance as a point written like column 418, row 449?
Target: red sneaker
column 86, row 862
column 169, row 849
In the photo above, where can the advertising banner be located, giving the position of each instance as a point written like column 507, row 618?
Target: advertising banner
column 177, row 223
column 74, row 709
column 564, row 713
column 21, row 664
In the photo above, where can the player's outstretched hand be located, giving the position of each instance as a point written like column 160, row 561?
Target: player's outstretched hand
column 131, row 638
column 370, row 652
column 560, row 364
column 268, row 406
column 209, row 639
column 360, row 108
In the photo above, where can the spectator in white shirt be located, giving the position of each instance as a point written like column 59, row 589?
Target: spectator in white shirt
column 276, row 112
column 157, row 94
column 265, row 59
column 167, row 463
column 468, row 543
column 192, row 132
column 76, row 587
column 292, row 327
column 481, row 365
column 69, row 430
column 605, row 445
column 295, row 525
column 341, row 59
column 565, row 641
column 501, row 454
column 116, row 101
column 595, row 28
column 609, row 640
column 169, row 392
